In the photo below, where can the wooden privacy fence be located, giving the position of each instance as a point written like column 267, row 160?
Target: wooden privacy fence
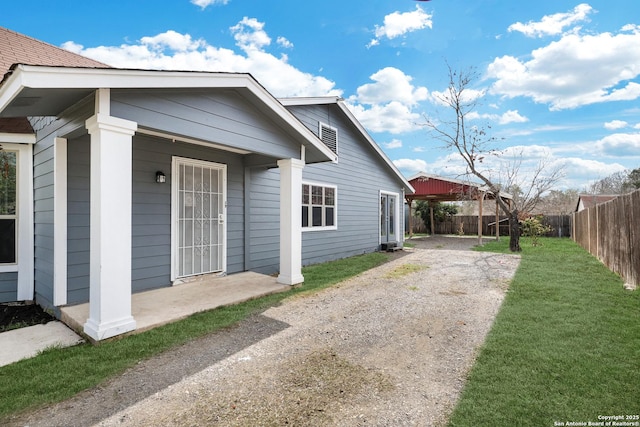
column 560, row 224
column 611, row 232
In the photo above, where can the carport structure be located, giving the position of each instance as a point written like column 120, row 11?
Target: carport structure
column 440, row 189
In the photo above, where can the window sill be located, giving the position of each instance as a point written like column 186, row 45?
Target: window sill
column 306, row 229
column 8, row 268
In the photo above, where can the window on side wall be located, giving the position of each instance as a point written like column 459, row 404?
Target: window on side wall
column 8, row 206
column 319, row 210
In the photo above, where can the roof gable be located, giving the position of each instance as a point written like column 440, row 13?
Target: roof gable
column 333, row 100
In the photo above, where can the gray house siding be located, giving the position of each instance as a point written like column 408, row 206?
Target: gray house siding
column 78, row 219
column 221, row 116
column 360, row 175
column 151, row 251
column 8, row 287
column 151, row 212
column 264, row 223
column 43, row 221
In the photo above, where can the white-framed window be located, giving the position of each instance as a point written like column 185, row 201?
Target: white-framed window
column 16, row 211
column 319, row 206
column 329, row 136
column 8, row 207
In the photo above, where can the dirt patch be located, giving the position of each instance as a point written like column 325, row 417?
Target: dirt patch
column 18, row 315
column 312, row 388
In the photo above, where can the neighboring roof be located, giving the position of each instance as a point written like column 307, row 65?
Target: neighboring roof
column 16, row 48
column 438, row 188
column 325, row 100
column 15, row 125
column 590, row 200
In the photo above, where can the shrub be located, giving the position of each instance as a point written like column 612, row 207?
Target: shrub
column 534, row 228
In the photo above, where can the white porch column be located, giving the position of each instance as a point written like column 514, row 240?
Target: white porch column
column 110, row 263
column 290, row 221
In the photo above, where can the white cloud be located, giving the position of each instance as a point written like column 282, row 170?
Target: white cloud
column 585, row 169
column 282, row 41
column 511, row 116
column 553, row 24
column 250, row 35
column 616, row 124
column 411, row 166
column 174, row 51
column 451, row 166
column 172, row 40
column 394, row 143
column 555, row 74
column 387, row 104
column 206, row 3
column 392, row 117
column 620, row 145
column 468, row 96
column 391, row 84
column 398, row 24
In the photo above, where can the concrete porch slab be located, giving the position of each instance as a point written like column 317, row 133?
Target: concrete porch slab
column 165, row 305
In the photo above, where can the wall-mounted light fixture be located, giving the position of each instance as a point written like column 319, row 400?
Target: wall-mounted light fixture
column 160, row 177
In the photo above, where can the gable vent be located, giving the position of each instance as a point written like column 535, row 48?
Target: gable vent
column 329, row 137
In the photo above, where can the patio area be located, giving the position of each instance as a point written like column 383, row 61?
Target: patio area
column 165, row 305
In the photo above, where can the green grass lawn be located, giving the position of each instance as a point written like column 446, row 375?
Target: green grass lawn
column 58, row 374
column 565, row 346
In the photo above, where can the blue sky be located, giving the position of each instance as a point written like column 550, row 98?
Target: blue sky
column 561, row 78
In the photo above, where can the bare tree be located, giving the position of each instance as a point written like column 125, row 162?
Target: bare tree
column 528, row 187
column 612, row 184
column 475, row 144
column 617, row 183
column 561, row 202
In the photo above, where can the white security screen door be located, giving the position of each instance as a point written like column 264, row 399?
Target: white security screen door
column 199, row 193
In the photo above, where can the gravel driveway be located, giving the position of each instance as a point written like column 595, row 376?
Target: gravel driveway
column 389, row 347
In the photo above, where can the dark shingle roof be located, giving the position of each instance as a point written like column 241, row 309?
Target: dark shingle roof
column 15, row 125
column 590, row 200
column 16, row 48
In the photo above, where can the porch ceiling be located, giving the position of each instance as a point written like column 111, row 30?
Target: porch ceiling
column 43, row 101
